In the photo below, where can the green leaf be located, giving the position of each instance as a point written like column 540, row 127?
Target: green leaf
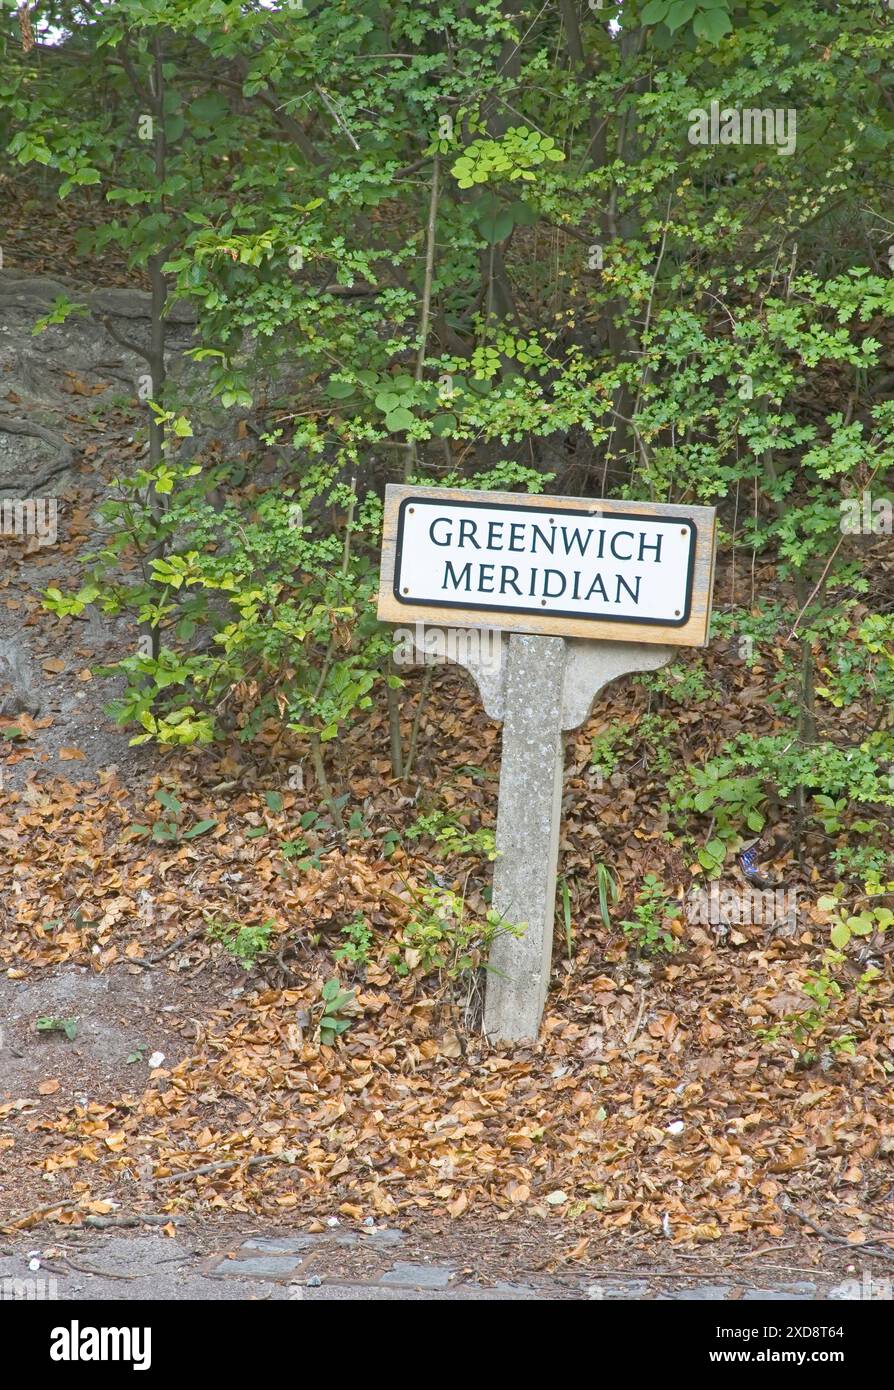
column 712, row 25
column 496, row 226
column 340, row 390
column 680, row 12
column 400, row 419
column 200, row 828
column 840, row 935
column 654, row 11
column 523, row 214
column 209, row 108
column 334, row 1026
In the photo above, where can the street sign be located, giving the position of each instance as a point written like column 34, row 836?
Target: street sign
column 545, row 573
column 567, row 566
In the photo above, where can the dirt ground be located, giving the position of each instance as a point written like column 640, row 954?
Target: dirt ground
column 329, row 1258
column 128, row 1017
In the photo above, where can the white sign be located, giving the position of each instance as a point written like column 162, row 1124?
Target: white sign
column 588, row 562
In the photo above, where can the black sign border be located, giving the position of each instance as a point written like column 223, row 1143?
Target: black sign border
column 542, row 612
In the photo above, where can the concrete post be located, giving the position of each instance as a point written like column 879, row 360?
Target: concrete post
column 528, row 820
column 539, row 687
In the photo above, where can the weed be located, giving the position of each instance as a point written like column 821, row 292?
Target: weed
column 333, row 1020
column 443, row 939
column 244, row 942
column 608, row 748
column 608, row 891
column 357, row 946
column 648, row 930
column 50, row 1024
column 566, row 918
column 172, row 830
column 808, row 1029
column 448, row 835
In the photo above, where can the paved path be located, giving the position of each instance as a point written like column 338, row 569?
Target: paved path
column 337, row 1265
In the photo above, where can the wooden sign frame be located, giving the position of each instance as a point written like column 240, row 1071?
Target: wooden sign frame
column 690, row 631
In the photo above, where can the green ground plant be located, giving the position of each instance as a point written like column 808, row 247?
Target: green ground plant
column 358, row 943
column 244, row 942
column 648, row 930
column 445, row 939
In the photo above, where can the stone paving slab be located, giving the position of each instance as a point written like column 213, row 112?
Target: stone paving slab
column 292, row 1257
column 419, row 1276
column 260, row 1267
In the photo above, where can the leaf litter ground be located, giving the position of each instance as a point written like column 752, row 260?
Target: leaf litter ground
column 648, row 1106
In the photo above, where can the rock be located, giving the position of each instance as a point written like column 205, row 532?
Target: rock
column 18, row 689
column 31, row 291
column 134, row 304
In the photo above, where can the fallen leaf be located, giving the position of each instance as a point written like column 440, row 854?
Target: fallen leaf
column 459, row 1206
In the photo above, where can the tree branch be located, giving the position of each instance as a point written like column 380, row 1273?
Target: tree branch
column 11, row 425
column 119, row 337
